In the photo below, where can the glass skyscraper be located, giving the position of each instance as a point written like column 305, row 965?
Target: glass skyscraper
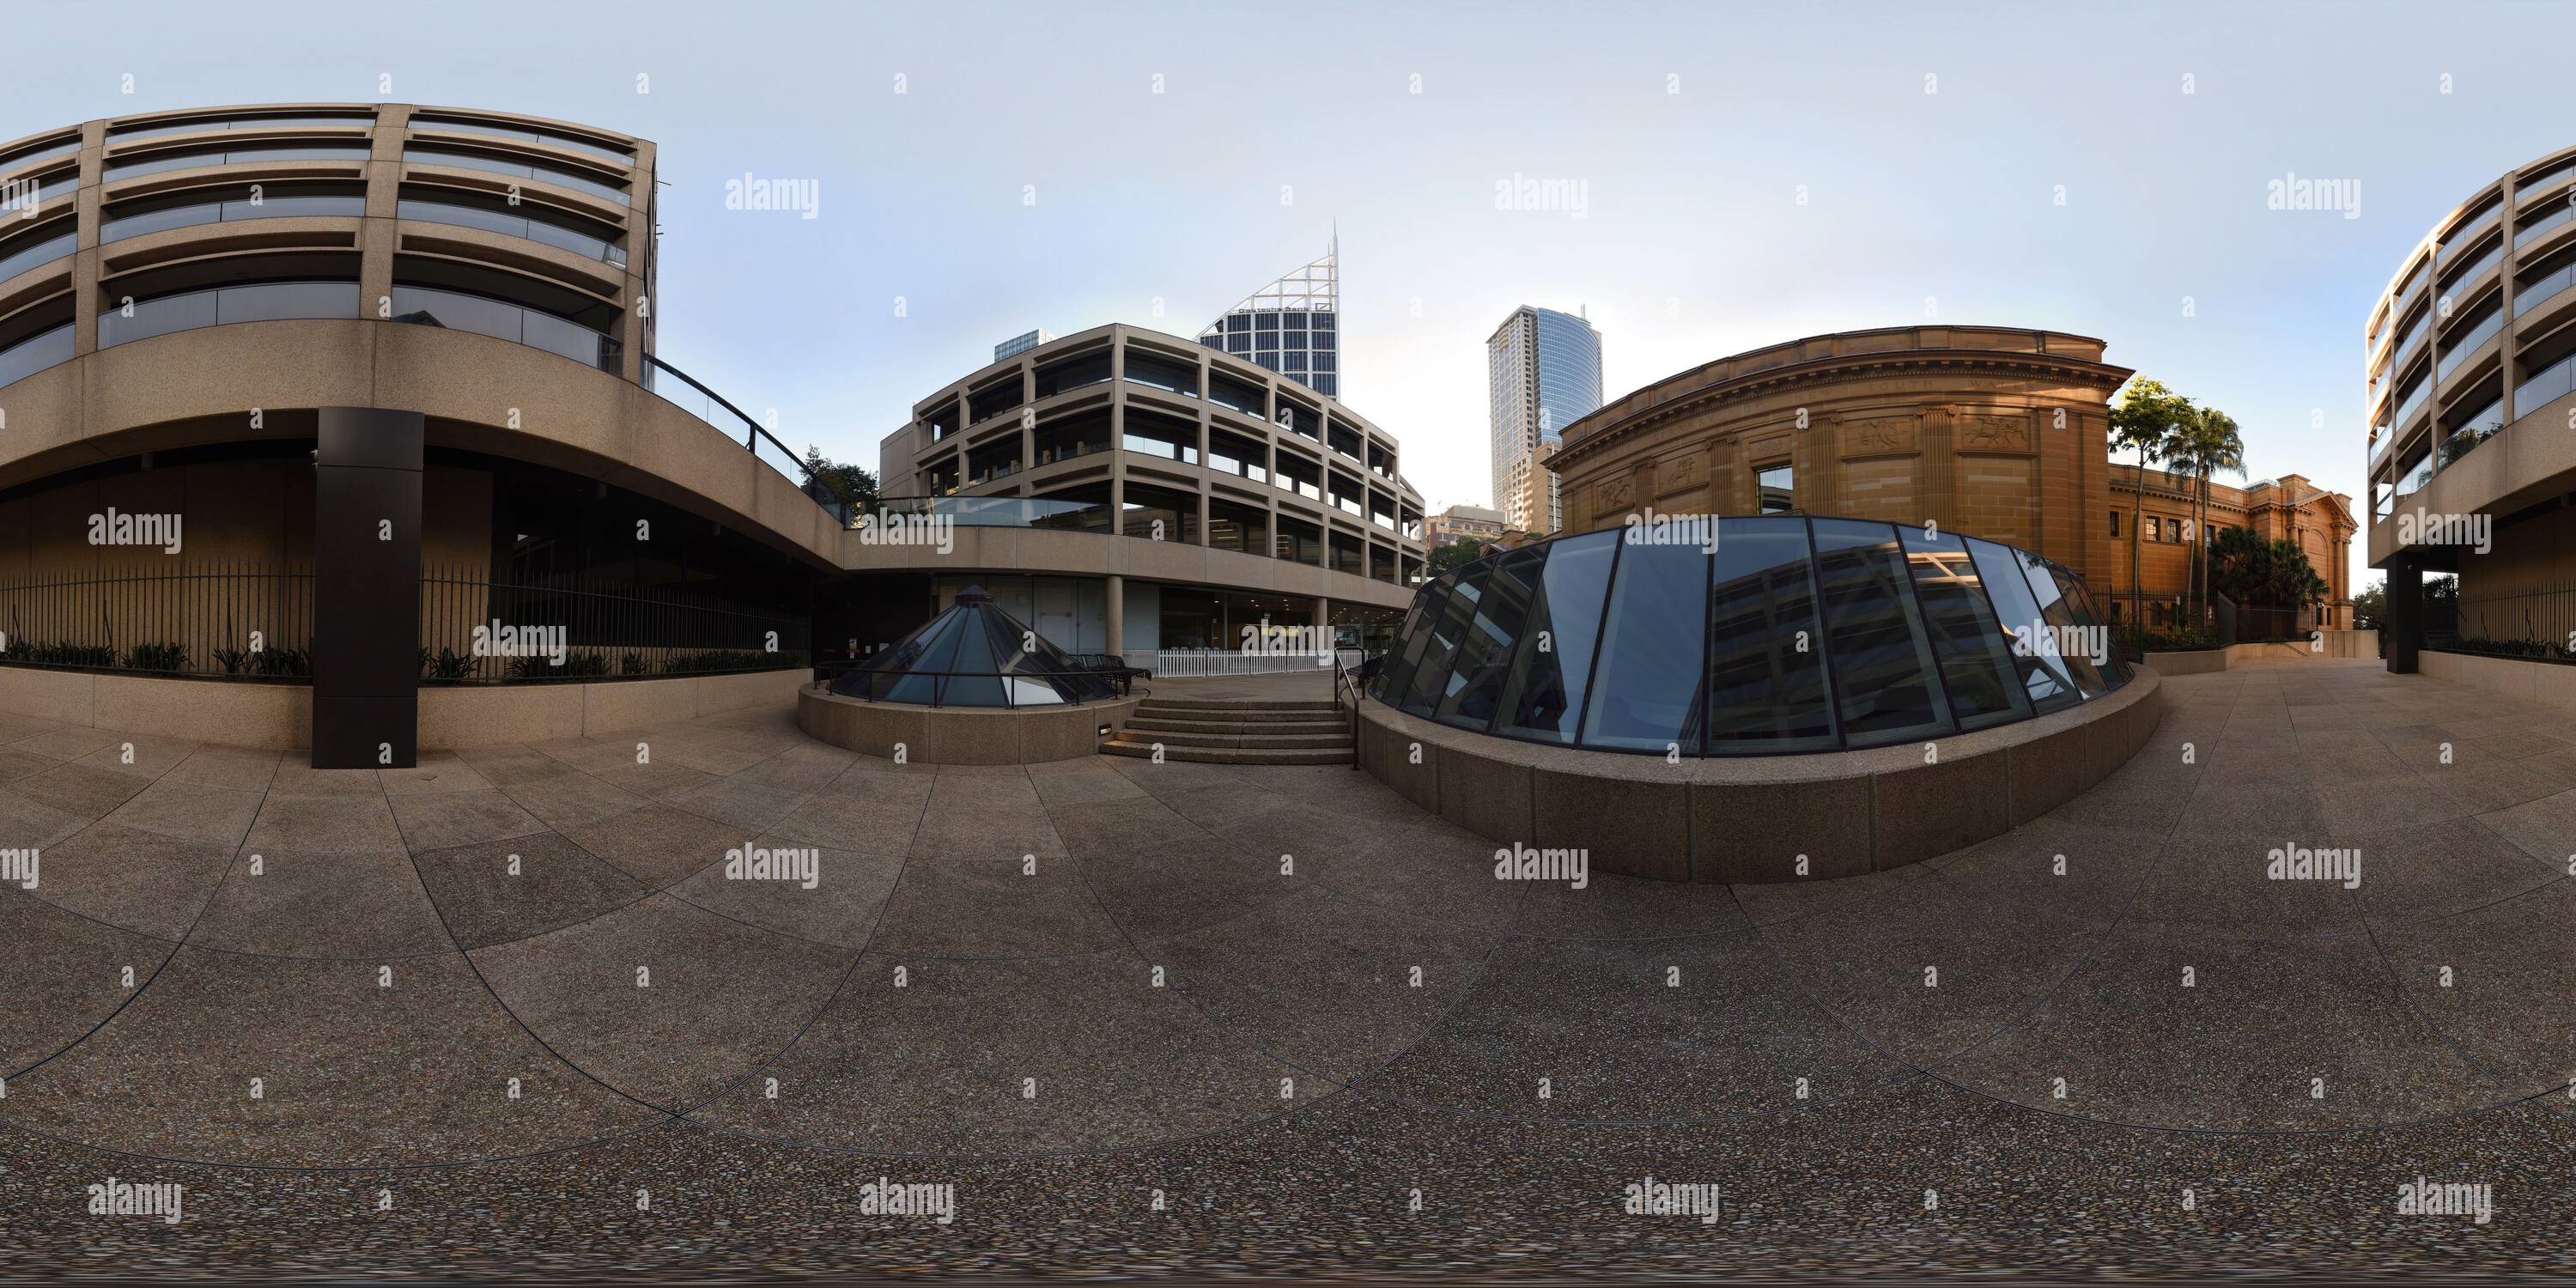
column 1291, row 326
column 1543, row 372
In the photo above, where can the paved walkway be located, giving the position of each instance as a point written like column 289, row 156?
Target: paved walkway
column 506, row 991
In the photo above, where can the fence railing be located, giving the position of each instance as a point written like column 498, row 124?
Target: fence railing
column 243, row 620
column 255, row 622
column 2546, row 616
column 1171, row 664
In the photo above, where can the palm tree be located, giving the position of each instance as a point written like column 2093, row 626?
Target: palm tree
column 2210, row 443
column 2144, row 421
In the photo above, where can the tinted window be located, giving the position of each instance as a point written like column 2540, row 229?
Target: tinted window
column 1554, row 659
column 1883, row 668
column 1486, row 654
column 1430, row 682
column 1417, row 634
column 2044, row 677
column 1767, row 688
column 2078, row 649
column 1974, row 652
column 2079, row 600
column 1646, row 693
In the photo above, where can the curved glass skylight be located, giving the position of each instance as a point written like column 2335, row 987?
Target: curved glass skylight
column 973, row 655
column 1784, row 634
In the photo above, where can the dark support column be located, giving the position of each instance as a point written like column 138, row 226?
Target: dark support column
column 366, row 589
column 2405, row 612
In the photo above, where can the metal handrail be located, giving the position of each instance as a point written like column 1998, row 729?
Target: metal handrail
column 1342, row 680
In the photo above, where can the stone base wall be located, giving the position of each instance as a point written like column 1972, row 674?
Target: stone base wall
column 280, row 716
column 1750, row 820
column 2551, row 684
column 959, row 735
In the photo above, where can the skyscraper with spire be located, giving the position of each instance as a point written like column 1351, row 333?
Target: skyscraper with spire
column 1292, row 326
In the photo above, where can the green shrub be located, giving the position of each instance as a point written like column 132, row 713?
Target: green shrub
column 157, row 657
column 2181, row 639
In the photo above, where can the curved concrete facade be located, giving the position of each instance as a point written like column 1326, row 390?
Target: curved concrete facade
column 1068, row 417
column 1755, row 820
column 920, row 735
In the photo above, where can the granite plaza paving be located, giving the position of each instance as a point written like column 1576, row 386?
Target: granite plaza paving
column 510, row 1011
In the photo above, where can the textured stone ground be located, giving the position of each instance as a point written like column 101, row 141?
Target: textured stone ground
column 1113, row 988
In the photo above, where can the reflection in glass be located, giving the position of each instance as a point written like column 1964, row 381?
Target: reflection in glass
column 1401, row 664
column 1882, row 663
column 2044, row 677
column 1553, row 662
column 1646, row 690
column 2084, row 652
column 1767, row 688
column 1973, row 648
column 1448, row 630
column 1486, row 652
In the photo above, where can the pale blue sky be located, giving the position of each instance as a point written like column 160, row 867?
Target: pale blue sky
column 1693, row 244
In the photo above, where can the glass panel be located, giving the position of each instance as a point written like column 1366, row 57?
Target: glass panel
column 1646, row 690
column 43, row 252
column 927, row 654
column 975, row 685
column 1431, row 676
column 1417, row 636
column 1767, row 687
column 2079, row 604
column 1485, row 657
column 2084, row 658
column 1974, row 649
column 35, row 353
column 1884, row 679
column 1545, row 693
column 494, row 165
column 2043, row 674
column 536, row 230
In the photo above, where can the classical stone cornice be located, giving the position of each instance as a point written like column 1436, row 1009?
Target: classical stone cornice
column 1990, row 362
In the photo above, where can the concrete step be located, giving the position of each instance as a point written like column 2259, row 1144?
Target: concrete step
column 1237, row 704
column 1227, row 755
column 1230, row 738
column 1175, row 725
column 1243, row 715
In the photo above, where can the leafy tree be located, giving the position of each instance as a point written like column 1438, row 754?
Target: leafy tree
column 849, row 484
column 2208, row 443
column 2370, row 608
column 1464, row 550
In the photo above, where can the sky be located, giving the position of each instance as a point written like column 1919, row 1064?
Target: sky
column 1747, row 174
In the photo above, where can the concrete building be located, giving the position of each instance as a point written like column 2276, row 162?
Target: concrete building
column 1292, row 326
column 1543, row 373
column 1250, row 497
column 1481, row 523
column 1986, row 431
column 2289, row 508
column 2469, row 364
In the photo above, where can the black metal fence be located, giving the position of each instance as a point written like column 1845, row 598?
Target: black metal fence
column 2539, row 623
column 255, row 622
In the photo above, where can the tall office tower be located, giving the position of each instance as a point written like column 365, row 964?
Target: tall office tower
column 1543, row 371
column 1291, row 326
